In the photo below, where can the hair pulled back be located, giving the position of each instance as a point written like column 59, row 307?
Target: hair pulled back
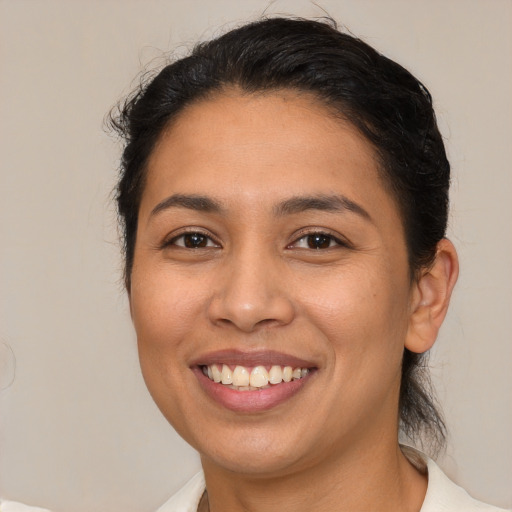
column 390, row 107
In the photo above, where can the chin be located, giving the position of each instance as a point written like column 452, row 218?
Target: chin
column 254, row 464
column 254, row 450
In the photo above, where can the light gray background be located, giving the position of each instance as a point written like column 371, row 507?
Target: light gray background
column 79, row 431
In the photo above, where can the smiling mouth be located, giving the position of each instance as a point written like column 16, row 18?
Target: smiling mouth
column 242, row 378
column 252, row 381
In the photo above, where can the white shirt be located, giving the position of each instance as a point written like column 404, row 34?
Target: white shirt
column 14, row 506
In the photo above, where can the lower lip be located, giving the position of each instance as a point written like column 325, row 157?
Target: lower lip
column 250, row 401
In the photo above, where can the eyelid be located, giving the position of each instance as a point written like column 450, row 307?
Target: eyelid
column 302, row 233
column 170, row 239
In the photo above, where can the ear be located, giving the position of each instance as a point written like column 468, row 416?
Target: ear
column 430, row 298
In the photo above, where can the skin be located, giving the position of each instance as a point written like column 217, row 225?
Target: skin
column 348, row 308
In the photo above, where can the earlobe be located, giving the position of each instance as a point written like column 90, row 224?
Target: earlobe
column 431, row 297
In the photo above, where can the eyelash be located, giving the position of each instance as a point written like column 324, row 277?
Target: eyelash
column 302, row 237
column 191, row 232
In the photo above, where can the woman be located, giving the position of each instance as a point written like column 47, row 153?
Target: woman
column 284, row 198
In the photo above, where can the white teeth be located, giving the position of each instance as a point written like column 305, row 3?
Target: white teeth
column 287, row 373
column 275, row 375
column 227, row 375
column 217, row 374
column 240, row 376
column 259, row 377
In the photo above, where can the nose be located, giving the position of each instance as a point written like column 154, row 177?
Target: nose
column 251, row 293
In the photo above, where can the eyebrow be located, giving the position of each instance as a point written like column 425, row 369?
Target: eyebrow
column 191, row 202
column 330, row 203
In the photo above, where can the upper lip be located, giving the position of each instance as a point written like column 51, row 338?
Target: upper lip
column 251, row 358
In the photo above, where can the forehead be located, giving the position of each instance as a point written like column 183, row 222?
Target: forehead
column 261, row 148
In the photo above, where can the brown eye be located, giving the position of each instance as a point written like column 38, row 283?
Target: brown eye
column 193, row 240
column 319, row 241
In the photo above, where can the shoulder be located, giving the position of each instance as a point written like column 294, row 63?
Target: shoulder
column 445, row 496
column 14, row 506
column 187, row 498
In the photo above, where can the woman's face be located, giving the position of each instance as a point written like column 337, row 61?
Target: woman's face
column 267, row 240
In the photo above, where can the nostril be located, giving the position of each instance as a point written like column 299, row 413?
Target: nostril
column 248, row 325
column 268, row 322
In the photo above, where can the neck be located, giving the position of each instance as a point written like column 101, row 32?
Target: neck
column 376, row 478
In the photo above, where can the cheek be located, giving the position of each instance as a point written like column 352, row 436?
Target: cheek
column 360, row 310
column 359, row 318
column 164, row 310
